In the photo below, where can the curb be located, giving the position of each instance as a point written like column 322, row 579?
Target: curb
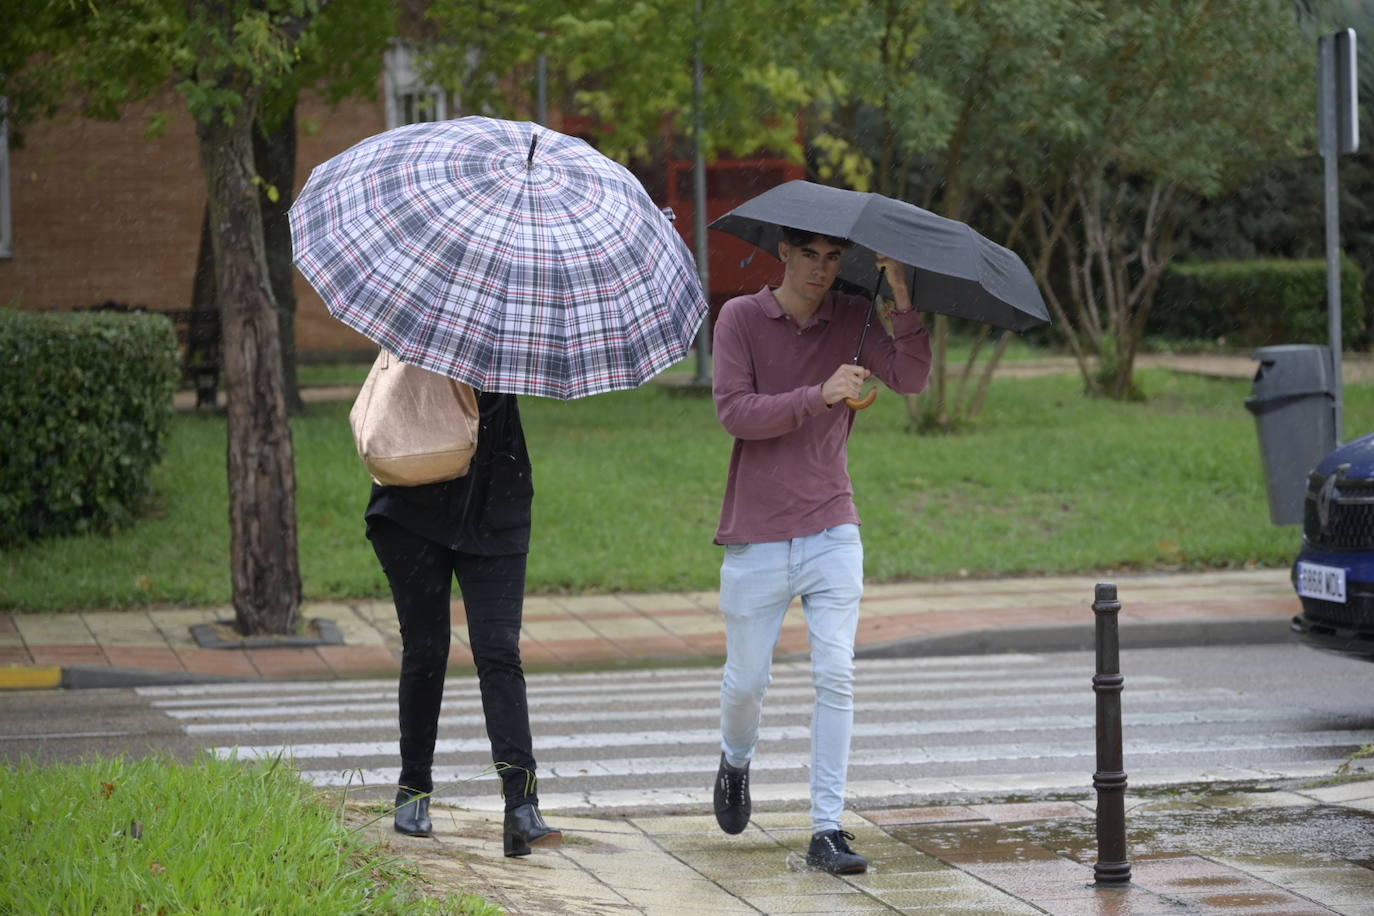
column 86, row 677
column 89, row 677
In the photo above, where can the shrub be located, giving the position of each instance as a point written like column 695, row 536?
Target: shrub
column 1255, row 303
column 84, row 417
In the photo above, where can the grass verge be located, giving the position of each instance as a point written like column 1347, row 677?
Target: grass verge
column 628, row 490
column 155, row 836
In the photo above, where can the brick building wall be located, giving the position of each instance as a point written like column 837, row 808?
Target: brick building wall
column 102, row 212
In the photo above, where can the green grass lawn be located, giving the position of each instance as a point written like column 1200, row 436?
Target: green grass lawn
column 628, row 487
column 113, row 835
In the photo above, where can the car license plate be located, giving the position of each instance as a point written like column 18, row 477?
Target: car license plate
column 1325, row 582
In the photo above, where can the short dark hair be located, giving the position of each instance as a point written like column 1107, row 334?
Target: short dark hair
column 798, row 237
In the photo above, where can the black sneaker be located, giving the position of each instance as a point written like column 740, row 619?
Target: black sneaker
column 732, row 797
column 829, row 851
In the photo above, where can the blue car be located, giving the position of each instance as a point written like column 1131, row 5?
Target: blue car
column 1334, row 573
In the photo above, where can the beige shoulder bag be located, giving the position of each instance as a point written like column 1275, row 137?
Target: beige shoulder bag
column 413, row 426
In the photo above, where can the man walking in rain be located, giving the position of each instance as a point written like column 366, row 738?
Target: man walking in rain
column 784, row 365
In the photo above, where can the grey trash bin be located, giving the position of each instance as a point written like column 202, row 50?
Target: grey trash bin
column 1293, row 400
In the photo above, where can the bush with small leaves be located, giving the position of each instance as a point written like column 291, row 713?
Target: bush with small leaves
column 84, row 418
column 1255, row 303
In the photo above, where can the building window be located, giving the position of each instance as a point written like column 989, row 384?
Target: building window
column 6, row 241
column 408, row 99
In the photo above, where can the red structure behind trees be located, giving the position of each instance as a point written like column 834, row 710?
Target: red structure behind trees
column 736, row 266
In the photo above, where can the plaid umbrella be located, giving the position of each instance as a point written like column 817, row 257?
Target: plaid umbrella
column 501, row 254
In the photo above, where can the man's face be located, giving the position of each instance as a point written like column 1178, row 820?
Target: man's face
column 809, row 269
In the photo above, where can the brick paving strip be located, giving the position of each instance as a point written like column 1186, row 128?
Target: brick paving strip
column 563, row 632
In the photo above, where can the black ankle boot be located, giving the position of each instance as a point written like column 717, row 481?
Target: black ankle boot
column 525, row 827
column 412, row 813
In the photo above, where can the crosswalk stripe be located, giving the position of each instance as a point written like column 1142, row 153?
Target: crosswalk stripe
column 654, row 688
column 543, row 717
column 978, row 664
column 709, row 694
column 704, row 763
column 275, row 687
column 801, row 732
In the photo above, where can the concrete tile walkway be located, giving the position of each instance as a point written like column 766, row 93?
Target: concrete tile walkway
column 939, row 860
column 98, row 648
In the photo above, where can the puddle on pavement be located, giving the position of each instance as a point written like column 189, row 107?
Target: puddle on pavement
column 1324, row 833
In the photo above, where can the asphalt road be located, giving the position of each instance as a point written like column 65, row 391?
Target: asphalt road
column 1013, row 724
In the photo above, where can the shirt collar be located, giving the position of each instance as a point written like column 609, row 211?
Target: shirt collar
column 773, row 309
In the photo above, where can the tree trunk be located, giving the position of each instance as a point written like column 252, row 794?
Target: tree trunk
column 274, row 154
column 264, row 567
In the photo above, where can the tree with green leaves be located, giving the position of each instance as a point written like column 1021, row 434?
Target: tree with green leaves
column 1280, row 212
column 1084, row 130
column 628, row 66
column 1168, row 104
column 222, row 57
column 920, row 101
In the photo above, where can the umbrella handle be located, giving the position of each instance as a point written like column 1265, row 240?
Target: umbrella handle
column 861, row 403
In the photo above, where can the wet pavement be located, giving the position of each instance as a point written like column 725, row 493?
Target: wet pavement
column 1300, row 851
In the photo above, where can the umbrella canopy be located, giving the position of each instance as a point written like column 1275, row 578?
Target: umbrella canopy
column 501, row 254
column 955, row 271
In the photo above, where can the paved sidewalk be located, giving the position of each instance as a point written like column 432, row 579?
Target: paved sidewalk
column 1243, row 849
column 1200, row 853
column 126, row 648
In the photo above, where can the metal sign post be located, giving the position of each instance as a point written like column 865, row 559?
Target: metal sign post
column 1338, row 132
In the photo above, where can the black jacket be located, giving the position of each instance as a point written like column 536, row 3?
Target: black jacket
column 485, row 512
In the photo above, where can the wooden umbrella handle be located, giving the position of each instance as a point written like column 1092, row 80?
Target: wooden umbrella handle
column 861, row 403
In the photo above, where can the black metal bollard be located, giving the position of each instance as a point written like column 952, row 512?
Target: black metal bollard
column 1110, row 778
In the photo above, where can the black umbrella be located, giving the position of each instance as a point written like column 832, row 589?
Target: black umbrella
column 955, row 270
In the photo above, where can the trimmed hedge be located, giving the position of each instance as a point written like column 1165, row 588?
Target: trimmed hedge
column 84, row 416
column 1255, row 303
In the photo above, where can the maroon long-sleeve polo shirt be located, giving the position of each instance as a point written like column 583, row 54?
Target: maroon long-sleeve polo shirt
column 789, row 474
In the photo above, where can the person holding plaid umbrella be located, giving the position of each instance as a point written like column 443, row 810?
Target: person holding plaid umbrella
column 784, row 367
column 475, row 529
column 516, row 260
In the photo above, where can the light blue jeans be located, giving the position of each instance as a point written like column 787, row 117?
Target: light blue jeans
column 757, row 583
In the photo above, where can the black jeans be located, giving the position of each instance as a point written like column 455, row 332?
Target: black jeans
column 421, row 573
